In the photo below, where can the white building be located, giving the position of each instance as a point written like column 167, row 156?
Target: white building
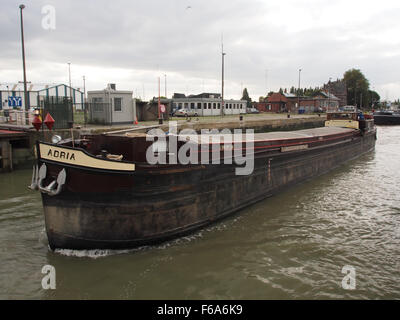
column 208, row 104
column 12, row 94
column 111, row 106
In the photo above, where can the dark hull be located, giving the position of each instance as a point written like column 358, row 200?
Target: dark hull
column 157, row 204
column 387, row 119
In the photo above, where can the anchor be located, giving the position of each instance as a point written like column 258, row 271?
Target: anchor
column 54, row 187
column 35, row 173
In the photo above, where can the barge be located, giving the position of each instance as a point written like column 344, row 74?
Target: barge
column 102, row 192
column 387, row 117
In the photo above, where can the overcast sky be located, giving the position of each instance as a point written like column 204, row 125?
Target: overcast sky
column 132, row 43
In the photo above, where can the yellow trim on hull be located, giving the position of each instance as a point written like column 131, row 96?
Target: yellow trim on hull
column 80, row 158
column 342, row 123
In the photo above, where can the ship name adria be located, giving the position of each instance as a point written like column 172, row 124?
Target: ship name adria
column 61, row 155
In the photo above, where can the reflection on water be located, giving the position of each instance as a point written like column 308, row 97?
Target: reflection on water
column 292, row 245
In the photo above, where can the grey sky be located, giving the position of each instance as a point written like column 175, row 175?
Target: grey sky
column 132, row 43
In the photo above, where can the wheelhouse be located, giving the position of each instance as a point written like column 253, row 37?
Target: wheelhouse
column 342, row 119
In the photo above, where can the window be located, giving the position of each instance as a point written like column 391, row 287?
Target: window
column 180, row 105
column 186, row 105
column 209, row 105
column 198, row 105
column 218, row 105
column 214, row 105
column 117, row 104
column 192, row 105
column 97, row 107
column 97, row 104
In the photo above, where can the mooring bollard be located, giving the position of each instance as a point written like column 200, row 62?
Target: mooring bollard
column 240, row 118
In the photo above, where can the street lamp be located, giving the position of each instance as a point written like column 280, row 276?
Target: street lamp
column 160, row 120
column 26, row 102
column 165, row 84
column 84, row 100
column 84, row 88
column 70, row 86
column 222, row 96
column 298, row 92
column 329, row 94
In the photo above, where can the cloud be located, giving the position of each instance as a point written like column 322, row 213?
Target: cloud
column 132, row 43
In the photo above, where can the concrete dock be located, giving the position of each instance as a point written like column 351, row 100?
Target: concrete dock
column 10, row 143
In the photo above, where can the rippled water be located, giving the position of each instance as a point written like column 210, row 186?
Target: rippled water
column 292, row 245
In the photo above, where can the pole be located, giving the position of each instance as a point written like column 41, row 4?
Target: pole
column 84, row 100
column 165, row 85
column 70, row 86
column 84, row 89
column 159, row 116
column 222, row 83
column 26, row 102
column 329, row 94
column 298, row 92
column 8, row 94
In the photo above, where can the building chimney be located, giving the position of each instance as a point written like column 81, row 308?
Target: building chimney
column 111, row 86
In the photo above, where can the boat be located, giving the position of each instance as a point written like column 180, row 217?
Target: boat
column 386, row 117
column 102, row 192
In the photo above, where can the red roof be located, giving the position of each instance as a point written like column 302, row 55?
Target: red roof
column 277, row 97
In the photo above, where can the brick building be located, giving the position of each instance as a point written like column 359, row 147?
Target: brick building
column 339, row 89
column 283, row 102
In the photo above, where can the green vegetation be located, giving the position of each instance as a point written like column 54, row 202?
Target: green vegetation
column 304, row 92
column 246, row 97
column 79, row 117
column 358, row 92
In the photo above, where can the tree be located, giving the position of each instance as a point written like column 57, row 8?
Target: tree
column 246, row 97
column 374, row 98
column 357, row 88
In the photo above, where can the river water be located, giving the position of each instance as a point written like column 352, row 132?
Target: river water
column 290, row 246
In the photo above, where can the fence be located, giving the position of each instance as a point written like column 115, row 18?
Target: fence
column 60, row 108
column 98, row 113
column 16, row 117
